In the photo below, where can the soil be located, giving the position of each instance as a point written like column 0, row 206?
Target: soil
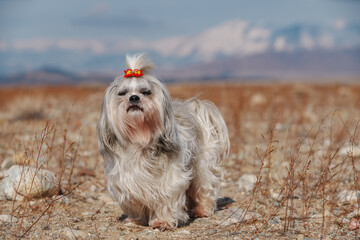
column 300, row 141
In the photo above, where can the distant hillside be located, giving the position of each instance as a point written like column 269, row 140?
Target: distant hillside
column 290, row 65
column 266, row 66
column 50, row 75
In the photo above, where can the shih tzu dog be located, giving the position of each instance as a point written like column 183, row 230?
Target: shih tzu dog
column 161, row 156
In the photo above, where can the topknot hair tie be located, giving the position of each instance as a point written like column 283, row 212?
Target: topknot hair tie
column 133, row 73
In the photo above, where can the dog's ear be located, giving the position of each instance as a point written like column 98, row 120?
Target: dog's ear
column 106, row 135
column 169, row 140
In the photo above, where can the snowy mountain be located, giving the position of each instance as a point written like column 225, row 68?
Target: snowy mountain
column 236, row 42
column 240, row 38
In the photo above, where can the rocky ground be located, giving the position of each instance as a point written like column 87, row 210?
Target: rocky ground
column 293, row 171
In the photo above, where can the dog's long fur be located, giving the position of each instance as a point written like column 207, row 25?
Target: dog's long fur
column 162, row 156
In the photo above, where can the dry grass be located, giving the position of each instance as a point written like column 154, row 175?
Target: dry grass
column 299, row 140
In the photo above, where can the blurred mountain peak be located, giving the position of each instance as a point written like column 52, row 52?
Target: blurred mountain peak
column 237, row 43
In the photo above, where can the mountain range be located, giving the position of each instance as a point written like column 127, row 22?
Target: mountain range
column 232, row 50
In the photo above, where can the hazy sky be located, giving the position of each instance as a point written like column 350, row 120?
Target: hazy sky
column 150, row 20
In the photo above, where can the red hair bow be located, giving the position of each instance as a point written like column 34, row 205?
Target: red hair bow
column 133, row 73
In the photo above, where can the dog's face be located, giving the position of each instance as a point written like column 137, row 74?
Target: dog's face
column 137, row 109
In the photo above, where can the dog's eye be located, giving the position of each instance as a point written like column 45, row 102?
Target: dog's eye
column 146, row 93
column 122, row 93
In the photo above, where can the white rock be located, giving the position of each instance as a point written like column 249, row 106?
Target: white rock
column 93, row 188
column 246, row 182
column 102, row 229
column 276, row 195
column 258, row 99
column 21, row 182
column 236, row 215
column 75, row 234
column 87, row 213
column 184, row 231
column 352, row 214
column 348, row 196
column 353, row 224
column 350, row 151
column 327, row 142
column 61, row 199
column 279, row 126
column 4, row 218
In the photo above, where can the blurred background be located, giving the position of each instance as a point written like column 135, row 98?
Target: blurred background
column 85, row 41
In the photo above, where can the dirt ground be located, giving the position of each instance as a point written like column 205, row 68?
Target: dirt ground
column 297, row 145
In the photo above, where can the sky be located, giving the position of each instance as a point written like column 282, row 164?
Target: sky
column 151, row 20
column 89, row 35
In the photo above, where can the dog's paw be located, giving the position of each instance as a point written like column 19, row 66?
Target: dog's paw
column 162, row 226
column 200, row 212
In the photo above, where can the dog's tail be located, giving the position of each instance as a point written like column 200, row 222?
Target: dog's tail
column 215, row 133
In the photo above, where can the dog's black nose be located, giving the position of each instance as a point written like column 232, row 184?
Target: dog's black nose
column 134, row 98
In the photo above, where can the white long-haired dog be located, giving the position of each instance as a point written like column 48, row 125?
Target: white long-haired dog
column 162, row 156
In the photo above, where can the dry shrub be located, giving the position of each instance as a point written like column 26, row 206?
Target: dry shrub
column 43, row 153
column 300, row 158
column 292, row 137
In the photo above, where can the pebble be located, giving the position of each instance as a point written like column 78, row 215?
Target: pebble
column 17, row 184
column 350, row 151
column 235, row 215
column 61, row 199
column 258, row 99
column 148, row 233
column 354, row 214
column 93, row 188
column 75, row 234
column 274, row 221
column 246, row 182
column 102, row 229
column 184, row 231
column 319, row 215
column 4, row 218
column 275, row 195
column 46, row 227
column 87, row 213
column 279, row 126
column 346, row 196
column 354, row 224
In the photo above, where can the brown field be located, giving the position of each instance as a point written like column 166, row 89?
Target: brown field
column 301, row 141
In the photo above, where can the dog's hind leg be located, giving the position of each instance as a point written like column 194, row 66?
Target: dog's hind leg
column 203, row 192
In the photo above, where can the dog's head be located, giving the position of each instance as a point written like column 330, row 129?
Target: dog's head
column 137, row 109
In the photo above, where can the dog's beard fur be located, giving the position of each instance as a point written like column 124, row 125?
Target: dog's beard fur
column 162, row 156
column 139, row 123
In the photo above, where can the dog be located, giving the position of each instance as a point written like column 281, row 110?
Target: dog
column 161, row 156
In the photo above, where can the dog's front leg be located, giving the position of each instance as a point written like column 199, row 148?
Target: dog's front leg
column 170, row 211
